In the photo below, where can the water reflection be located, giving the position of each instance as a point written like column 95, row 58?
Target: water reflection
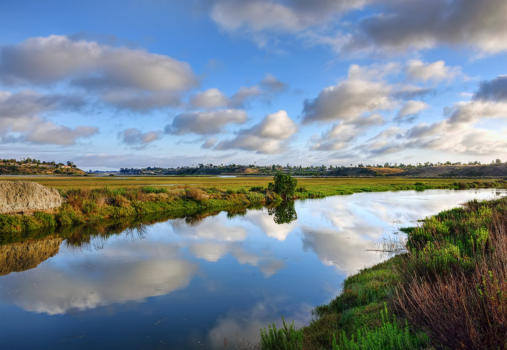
column 207, row 276
column 283, row 213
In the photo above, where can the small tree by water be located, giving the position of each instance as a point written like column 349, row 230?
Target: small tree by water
column 284, row 186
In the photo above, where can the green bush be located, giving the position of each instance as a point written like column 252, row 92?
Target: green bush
column 284, row 186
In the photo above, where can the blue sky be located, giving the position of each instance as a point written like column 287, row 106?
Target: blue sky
column 169, row 83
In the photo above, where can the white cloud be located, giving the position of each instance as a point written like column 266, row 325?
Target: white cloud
column 205, row 123
column 422, row 24
column 342, row 134
column 19, row 122
column 272, row 84
column 128, row 78
column 436, row 71
column 265, row 137
column 135, row 137
column 43, row 60
column 350, row 99
column 411, row 108
column 282, row 16
column 211, row 98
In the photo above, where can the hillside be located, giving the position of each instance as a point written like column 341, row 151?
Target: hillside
column 444, row 171
column 492, row 170
column 33, row 170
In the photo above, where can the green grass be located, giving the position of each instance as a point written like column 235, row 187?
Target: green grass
column 389, row 335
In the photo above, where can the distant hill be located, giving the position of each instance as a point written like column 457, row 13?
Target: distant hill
column 492, row 170
column 444, row 171
column 34, row 170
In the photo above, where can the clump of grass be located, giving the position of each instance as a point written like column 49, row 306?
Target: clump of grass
column 286, row 338
column 257, row 189
column 390, row 335
column 302, row 189
column 151, row 189
column 195, row 193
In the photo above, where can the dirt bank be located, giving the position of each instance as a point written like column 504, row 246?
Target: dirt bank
column 20, row 196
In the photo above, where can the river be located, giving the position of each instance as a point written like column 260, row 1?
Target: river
column 190, row 284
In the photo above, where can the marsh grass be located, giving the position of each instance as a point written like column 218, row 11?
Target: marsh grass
column 390, row 334
column 286, row 338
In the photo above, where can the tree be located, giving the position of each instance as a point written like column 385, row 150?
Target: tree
column 284, row 186
column 498, row 161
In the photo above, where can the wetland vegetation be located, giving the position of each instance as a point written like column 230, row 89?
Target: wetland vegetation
column 89, row 200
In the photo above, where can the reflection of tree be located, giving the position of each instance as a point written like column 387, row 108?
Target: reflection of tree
column 284, row 213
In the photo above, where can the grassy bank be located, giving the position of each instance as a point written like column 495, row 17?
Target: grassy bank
column 448, row 292
column 88, row 203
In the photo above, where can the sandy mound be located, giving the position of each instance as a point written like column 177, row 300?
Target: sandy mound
column 22, row 195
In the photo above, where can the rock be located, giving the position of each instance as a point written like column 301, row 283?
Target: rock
column 20, row 196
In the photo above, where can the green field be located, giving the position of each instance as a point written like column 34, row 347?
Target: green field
column 315, row 184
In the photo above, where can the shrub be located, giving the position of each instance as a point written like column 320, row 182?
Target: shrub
column 284, row 186
column 88, row 206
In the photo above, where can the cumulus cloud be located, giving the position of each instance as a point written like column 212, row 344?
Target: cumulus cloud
column 272, row 84
column 410, row 109
column 46, row 60
column 394, row 26
column 436, row 71
column 268, row 87
column 282, row 16
column 211, row 98
column 20, row 120
column 265, row 137
column 128, row 76
column 46, row 132
column 493, row 90
column 343, row 134
column 29, row 102
column 135, row 137
column 459, row 133
column 350, row 99
column 421, row 24
column 205, row 123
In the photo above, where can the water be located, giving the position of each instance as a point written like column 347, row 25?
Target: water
column 178, row 286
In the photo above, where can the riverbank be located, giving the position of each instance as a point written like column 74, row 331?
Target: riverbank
column 448, row 291
column 88, row 204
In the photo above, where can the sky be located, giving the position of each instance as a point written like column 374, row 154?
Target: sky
column 172, row 83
